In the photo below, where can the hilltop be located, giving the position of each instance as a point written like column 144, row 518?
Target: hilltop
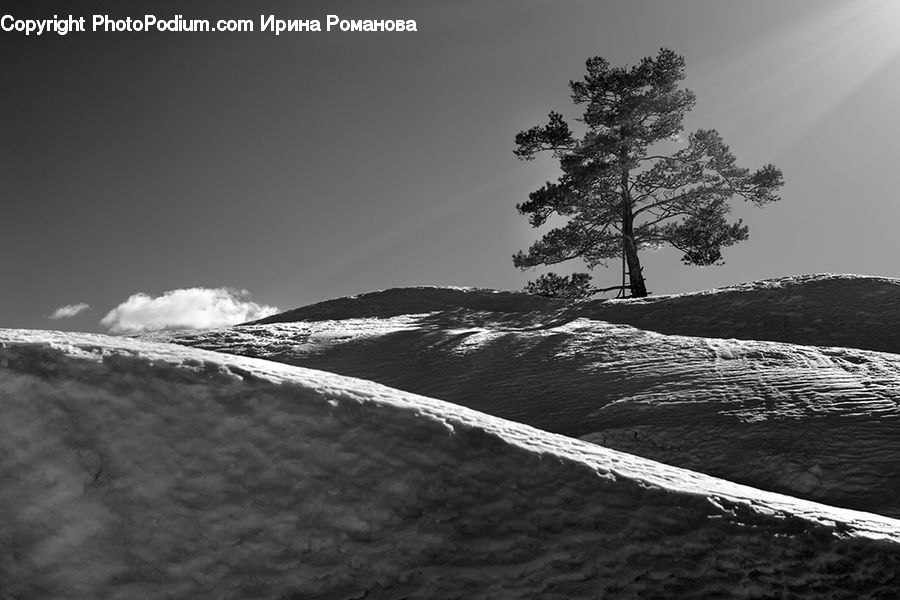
column 822, row 309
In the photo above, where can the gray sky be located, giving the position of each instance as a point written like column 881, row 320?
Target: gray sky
column 307, row 166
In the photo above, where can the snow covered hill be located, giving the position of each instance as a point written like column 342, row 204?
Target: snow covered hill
column 136, row 470
column 821, row 423
column 825, row 310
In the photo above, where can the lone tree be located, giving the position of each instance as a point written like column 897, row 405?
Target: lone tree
column 618, row 195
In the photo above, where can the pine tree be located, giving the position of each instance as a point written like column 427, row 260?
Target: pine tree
column 617, row 194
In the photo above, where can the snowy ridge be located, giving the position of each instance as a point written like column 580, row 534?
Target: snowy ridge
column 812, row 421
column 137, row 470
column 402, row 301
column 823, row 309
column 852, row 311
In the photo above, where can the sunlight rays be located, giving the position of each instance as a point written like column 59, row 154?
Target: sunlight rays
column 788, row 86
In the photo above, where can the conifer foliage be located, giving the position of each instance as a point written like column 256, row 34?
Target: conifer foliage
column 617, row 194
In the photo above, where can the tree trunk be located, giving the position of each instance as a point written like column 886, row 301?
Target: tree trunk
column 629, row 248
column 635, row 276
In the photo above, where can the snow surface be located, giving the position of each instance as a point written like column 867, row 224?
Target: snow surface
column 819, row 422
column 825, row 309
column 133, row 469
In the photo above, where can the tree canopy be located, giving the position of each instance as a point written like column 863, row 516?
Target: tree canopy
column 617, row 195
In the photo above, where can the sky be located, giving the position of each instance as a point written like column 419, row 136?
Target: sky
column 230, row 175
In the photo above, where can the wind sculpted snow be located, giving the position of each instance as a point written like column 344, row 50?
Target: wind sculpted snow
column 818, row 422
column 140, row 470
column 824, row 310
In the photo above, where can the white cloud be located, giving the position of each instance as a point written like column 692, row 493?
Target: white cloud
column 195, row 308
column 69, row 310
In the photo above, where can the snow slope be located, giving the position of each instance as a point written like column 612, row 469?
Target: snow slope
column 140, row 470
column 825, row 310
column 821, row 423
column 853, row 311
